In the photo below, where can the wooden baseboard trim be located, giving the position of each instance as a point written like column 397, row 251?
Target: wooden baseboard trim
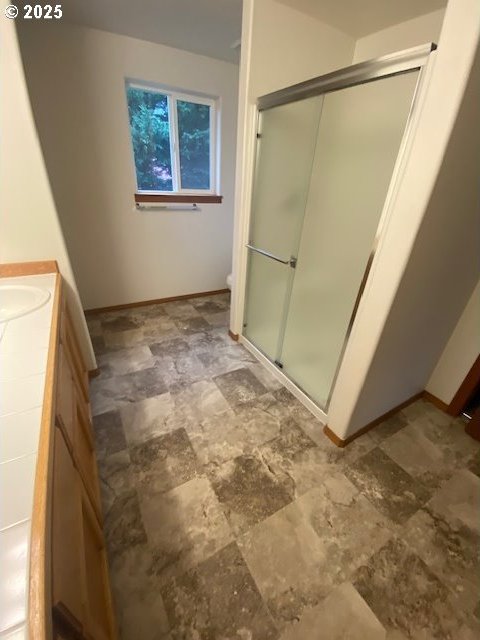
column 16, row 269
column 443, row 406
column 343, row 443
column 233, row 336
column 93, row 373
column 144, row 303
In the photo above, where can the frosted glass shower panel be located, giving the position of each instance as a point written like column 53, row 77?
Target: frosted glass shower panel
column 285, row 150
column 358, row 140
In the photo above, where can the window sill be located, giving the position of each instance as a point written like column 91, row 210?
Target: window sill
column 179, row 198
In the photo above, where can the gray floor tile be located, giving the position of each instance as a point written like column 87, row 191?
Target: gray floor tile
column 342, row 614
column 304, row 550
column 184, row 526
column 198, row 445
column 109, row 434
column 405, row 594
column 249, row 491
column 391, row 489
column 217, row 599
column 239, row 386
column 163, row 463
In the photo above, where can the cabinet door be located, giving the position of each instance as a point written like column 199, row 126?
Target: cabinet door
column 84, row 453
column 67, row 592
column 65, row 402
column 99, row 623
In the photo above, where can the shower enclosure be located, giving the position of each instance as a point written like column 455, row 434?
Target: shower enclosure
column 325, row 155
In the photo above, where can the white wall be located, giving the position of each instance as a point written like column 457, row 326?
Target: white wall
column 427, row 263
column 289, row 46
column 404, row 35
column 76, row 80
column 280, row 47
column 29, row 226
column 460, row 353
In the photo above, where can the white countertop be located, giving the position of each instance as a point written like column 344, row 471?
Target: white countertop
column 23, row 363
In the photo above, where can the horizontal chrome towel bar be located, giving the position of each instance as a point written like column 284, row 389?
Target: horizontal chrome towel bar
column 291, row 261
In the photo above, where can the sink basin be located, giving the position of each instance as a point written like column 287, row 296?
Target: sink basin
column 18, row 300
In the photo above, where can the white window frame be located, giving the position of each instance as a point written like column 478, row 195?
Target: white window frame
column 172, row 97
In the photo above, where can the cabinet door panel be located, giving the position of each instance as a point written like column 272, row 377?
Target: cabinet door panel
column 84, row 453
column 99, row 623
column 68, row 597
column 65, row 405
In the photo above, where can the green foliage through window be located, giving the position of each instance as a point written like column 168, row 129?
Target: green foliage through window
column 154, row 129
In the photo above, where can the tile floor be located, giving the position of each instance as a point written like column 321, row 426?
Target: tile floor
column 229, row 515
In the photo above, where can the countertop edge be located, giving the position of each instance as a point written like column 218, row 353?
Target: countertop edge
column 39, row 595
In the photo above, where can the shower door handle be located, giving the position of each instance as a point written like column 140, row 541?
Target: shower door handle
column 291, row 261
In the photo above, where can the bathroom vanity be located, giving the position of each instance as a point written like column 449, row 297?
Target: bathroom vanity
column 57, row 583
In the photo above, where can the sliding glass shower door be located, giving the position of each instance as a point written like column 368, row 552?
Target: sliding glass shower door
column 358, row 139
column 323, row 169
column 285, row 148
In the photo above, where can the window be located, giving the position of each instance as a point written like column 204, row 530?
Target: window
column 173, row 137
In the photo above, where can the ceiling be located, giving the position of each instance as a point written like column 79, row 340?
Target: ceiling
column 207, row 27
column 358, row 18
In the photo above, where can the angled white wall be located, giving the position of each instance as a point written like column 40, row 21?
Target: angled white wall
column 29, row 226
column 460, row 353
column 400, row 36
column 76, row 78
column 427, row 265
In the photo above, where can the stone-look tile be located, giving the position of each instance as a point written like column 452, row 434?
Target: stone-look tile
column 301, row 552
column 109, row 434
column 131, row 387
column 428, row 412
column 98, row 344
column 209, row 306
column 224, row 358
column 418, row 455
column 120, row 323
column 268, row 380
column 181, row 310
column 127, row 360
column 342, row 614
column 148, row 418
column 239, row 386
column 227, row 435
column 388, row 427
column 198, row 401
column 208, row 342
column 404, row 593
column 94, row 324
column 295, row 456
column 163, row 463
column 217, row 600
column 219, row 319
column 158, row 329
column 184, row 526
column 138, row 602
column 286, row 403
column 451, row 438
column 458, row 500
column 187, row 326
column 115, row 477
column 249, row 491
column 391, row 489
column 474, row 464
column 449, row 549
column 123, row 339
column 173, row 348
column 123, row 524
column 181, row 370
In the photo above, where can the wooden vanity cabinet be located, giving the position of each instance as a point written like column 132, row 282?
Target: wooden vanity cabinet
column 81, row 600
